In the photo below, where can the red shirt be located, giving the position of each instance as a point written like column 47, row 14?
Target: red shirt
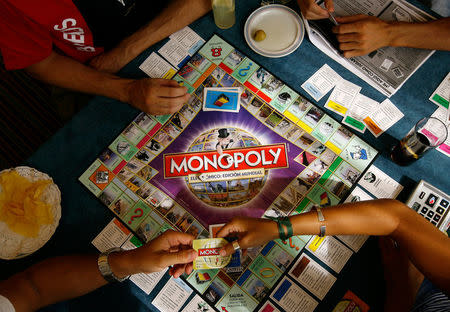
column 30, row 30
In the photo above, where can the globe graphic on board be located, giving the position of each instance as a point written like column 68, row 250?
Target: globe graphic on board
column 230, row 193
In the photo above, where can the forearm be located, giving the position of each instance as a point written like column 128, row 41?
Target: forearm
column 174, row 17
column 425, row 245
column 368, row 217
column 59, row 279
column 434, row 35
column 67, row 73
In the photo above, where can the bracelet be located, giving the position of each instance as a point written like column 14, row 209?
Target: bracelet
column 284, row 227
column 105, row 269
column 321, row 218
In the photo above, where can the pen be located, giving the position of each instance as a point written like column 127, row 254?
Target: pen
column 332, row 18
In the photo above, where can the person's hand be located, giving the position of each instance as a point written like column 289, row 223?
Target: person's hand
column 157, row 96
column 361, row 34
column 170, row 248
column 311, row 10
column 251, row 232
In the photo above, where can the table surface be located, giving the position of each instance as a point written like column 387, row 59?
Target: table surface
column 72, row 149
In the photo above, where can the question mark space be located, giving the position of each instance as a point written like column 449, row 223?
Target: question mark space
column 138, row 213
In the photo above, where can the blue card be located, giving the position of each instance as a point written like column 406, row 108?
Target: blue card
column 221, row 99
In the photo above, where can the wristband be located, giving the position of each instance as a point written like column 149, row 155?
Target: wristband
column 321, row 218
column 284, row 227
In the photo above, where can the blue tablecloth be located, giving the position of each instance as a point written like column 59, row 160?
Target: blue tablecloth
column 70, row 151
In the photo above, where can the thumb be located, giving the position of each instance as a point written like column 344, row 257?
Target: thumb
column 179, row 257
column 227, row 250
column 351, row 18
column 329, row 5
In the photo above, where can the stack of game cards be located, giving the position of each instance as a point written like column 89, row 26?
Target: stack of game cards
column 222, row 99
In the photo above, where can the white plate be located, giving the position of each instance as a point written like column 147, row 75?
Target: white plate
column 283, row 27
column 15, row 246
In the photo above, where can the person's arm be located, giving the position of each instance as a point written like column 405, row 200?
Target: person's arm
column 425, row 245
column 153, row 96
column 62, row 278
column 178, row 14
column 362, row 34
column 312, row 11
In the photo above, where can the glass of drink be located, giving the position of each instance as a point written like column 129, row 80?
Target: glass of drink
column 428, row 133
column 223, row 11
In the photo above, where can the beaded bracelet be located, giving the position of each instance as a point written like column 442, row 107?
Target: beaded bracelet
column 284, row 227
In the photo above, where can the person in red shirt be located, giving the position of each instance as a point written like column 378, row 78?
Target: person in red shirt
column 80, row 44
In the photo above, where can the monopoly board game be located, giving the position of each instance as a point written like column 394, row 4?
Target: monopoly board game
column 278, row 155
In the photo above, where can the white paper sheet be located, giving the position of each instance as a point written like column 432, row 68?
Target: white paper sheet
column 380, row 184
column 342, row 97
column 321, row 82
column 113, row 235
column 312, row 276
column 331, row 251
column 383, row 118
column 156, row 67
column 172, row 296
column 292, row 298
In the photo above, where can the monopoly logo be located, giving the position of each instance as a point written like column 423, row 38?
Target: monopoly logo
column 208, row 252
column 266, row 156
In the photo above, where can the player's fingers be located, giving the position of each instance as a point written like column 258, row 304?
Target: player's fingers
column 353, row 53
column 352, row 37
column 176, row 239
column 180, row 257
column 225, row 230
column 189, row 268
column 227, row 250
column 165, row 82
column 234, row 226
column 347, row 46
column 171, row 91
column 329, row 5
column 170, row 105
column 351, row 18
column 345, row 28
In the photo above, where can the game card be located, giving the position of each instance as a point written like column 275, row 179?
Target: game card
column 173, row 295
column 357, row 195
column 173, row 52
column 441, row 96
column 351, row 303
column 383, row 118
column 113, row 235
column 292, row 298
column 268, row 307
column 197, row 304
column 332, row 252
column 359, row 110
column 188, row 39
column 220, row 100
column 342, row 97
column 214, row 228
column 321, row 82
column 312, row 276
column 156, row 67
column 380, row 184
